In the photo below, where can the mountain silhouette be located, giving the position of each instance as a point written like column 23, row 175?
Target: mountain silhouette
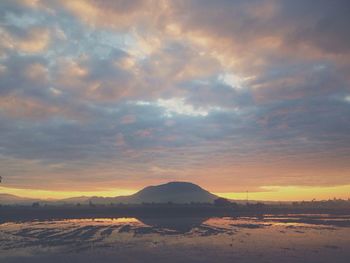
column 175, row 192
column 13, row 199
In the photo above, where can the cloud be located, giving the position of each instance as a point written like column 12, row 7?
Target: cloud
column 21, row 74
column 35, row 41
column 224, row 93
column 119, row 14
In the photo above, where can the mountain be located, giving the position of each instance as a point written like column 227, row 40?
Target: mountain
column 176, row 192
column 75, row 200
column 8, row 199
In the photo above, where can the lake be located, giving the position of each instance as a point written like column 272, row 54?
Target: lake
column 268, row 238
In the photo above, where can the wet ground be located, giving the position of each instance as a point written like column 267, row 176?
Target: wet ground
column 271, row 238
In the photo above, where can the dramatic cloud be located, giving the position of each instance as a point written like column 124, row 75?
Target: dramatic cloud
column 229, row 94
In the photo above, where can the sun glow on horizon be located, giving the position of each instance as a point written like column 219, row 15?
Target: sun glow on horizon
column 269, row 193
column 51, row 194
column 292, row 193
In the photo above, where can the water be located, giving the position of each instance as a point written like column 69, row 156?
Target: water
column 287, row 238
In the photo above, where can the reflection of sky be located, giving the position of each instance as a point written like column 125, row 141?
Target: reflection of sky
column 216, row 239
column 109, row 98
column 125, row 234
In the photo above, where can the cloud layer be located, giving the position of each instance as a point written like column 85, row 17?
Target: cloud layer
column 228, row 94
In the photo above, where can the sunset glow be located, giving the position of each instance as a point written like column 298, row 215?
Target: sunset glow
column 292, row 193
column 50, row 194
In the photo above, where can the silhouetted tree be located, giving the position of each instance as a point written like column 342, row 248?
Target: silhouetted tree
column 35, row 204
column 259, row 205
column 222, row 202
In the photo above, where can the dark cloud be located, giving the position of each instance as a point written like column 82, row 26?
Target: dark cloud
column 322, row 23
column 23, row 74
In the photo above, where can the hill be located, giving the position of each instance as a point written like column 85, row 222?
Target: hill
column 8, row 199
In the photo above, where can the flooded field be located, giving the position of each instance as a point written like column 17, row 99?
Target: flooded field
column 271, row 238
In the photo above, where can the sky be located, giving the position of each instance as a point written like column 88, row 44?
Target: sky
column 106, row 97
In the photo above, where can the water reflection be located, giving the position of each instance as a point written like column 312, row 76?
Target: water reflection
column 82, row 234
column 104, row 221
column 178, row 225
column 120, row 236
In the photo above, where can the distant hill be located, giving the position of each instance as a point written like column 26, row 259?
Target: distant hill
column 75, row 200
column 175, row 192
column 8, row 199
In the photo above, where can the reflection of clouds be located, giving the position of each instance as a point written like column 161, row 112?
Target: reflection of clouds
column 79, row 234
